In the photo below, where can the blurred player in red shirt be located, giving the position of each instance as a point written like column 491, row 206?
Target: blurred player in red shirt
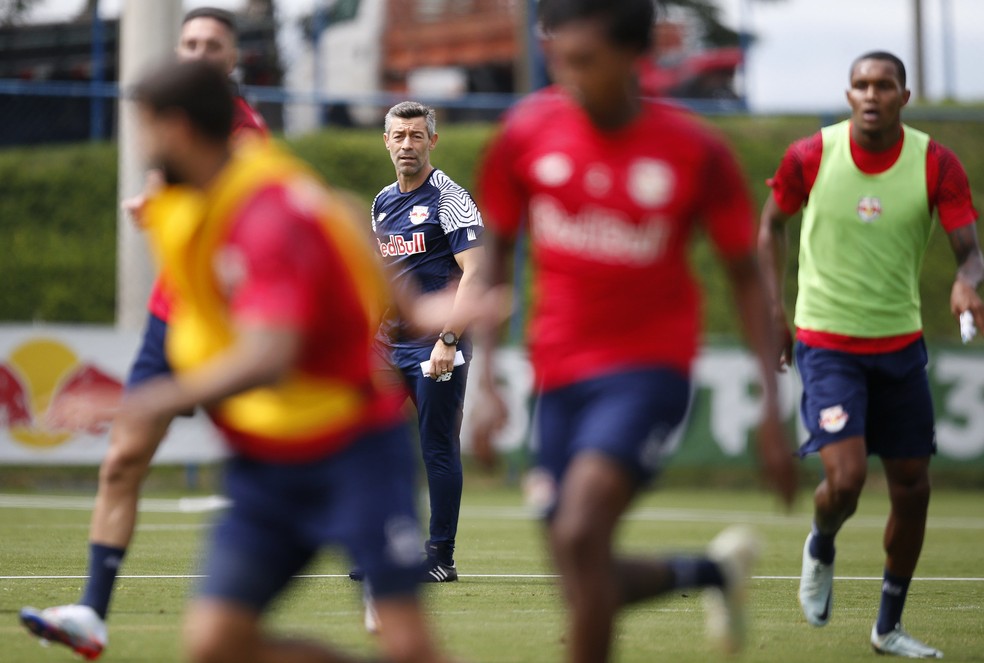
column 209, row 35
column 278, row 295
column 612, row 189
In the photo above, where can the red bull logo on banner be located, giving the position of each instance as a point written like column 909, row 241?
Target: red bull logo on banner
column 36, row 375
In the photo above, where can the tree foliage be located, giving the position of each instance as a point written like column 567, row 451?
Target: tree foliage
column 708, row 15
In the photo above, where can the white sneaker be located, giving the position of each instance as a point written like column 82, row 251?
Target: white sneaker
column 899, row 643
column 816, row 590
column 735, row 551
column 78, row 627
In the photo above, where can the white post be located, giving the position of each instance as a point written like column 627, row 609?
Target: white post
column 148, row 34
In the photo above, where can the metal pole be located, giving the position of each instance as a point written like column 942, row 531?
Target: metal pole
column 320, row 24
column 920, row 63
column 745, row 43
column 97, row 76
column 148, row 33
column 949, row 46
column 539, row 77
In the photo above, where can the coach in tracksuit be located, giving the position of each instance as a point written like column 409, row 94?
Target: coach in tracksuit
column 429, row 233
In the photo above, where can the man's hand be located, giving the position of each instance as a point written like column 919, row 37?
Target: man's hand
column 91, row 410
column 135, row 205
column 963, row 297
column 441, row 359
column 784, row 337
column 776, row 457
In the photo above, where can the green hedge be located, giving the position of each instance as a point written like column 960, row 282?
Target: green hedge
column 57, row 211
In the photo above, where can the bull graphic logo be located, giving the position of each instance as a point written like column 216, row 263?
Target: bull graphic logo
column 869, row 208
column 419, row 214
column 833, row 419
column 36, row 376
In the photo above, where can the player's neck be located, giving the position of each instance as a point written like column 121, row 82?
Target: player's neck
column 206, row 167
column 621, row 114
column 877, row 141
column 411, row 182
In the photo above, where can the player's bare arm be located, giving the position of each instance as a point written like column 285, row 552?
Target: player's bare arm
column 469, row 289
column 970, row 273
column 772, row 249
column 490, row 412
column 775, row 452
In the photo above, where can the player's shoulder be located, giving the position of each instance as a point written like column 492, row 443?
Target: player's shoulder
column 446, row 185
column 807, row 146
column 250, row 224
column 385, row 192
column 805, row 151
column 539, row 109
column 456, row 207
column 941, row 153
column 682, row 126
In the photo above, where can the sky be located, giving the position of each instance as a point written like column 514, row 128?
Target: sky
column 804, row 47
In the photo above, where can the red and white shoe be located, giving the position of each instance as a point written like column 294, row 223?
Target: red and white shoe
column 78, row 627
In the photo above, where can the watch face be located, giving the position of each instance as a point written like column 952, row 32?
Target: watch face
column 449, row 338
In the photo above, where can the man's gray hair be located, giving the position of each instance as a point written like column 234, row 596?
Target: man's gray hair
column 407, row 110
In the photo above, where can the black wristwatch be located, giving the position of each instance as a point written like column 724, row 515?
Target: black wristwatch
column 449, row 338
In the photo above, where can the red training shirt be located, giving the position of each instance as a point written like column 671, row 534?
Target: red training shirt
column 279, row 269
column 611, row 214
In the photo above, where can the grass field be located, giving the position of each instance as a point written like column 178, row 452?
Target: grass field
column 506, row 607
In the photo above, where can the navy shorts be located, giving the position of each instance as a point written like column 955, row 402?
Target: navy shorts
column 361, row 499
column 151, row 360
column 626, row 416
column 882, row 397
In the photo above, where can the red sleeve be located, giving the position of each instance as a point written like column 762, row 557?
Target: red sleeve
column 793, row 181
column 728, row 213
column 948, row 187
column 161, row 300
column 502, row 197
column 267, row 263
column 246, row 120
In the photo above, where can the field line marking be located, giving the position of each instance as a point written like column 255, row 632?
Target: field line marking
column 515, row 576
column 202, row 504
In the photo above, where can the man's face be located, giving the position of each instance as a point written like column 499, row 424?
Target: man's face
column 162, row 138
column 409, row 145
column 597, row 73
column 210, row 40
column 876, row 96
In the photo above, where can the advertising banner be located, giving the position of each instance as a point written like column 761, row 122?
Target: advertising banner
column 39, row 363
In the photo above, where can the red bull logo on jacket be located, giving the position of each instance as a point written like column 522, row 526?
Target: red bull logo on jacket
column 399, row 246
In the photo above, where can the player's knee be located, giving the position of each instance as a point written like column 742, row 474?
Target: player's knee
column 205, row 641
column 203, row 646
column 845, row 486
column 845, row 498
column 912, row 495
column 122, row 466
column 574, row 538
column 404, row 636
column 413, row 648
